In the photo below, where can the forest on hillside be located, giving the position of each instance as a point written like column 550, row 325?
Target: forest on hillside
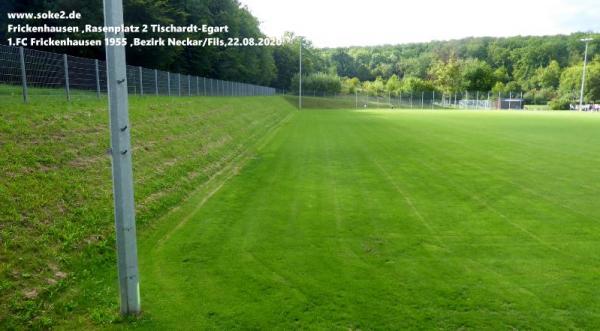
column 544, row 68
column 245, row 64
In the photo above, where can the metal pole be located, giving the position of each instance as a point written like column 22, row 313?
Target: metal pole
column 300, row 77
column 521, row 105
column 97, row 78
column 179, row 84
column 423, row 100
column 356, row 98
column 66, row 67
column 122, row 173
column 433, row 98
column 500, row 100
column 155, row 81
column 169, row 82
column 23, row 75
column 141, row 82
column 587, row 41
column 204, row 85
column 189, row 86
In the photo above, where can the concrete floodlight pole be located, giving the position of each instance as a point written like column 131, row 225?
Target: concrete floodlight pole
column 300, row 77
column 122, row 173
column 587, row 41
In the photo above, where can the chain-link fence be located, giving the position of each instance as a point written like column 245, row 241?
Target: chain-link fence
column 414, row 100
column 31, row 72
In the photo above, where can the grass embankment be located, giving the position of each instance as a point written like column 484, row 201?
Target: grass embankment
column 391, row 220
column 56, row 221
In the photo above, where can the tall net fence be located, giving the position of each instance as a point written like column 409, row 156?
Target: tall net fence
column 409, row 100
column 29, row 73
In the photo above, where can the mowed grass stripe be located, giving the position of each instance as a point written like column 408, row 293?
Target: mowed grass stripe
column 388, row 219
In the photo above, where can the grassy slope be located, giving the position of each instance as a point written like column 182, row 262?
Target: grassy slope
column 387, row 220
column 56, row 222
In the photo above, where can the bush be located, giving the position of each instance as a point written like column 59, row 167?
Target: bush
column 560, row 103
column 320, row 82
column 539, row 97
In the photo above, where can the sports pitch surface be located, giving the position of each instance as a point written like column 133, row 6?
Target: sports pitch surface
column 391, row 219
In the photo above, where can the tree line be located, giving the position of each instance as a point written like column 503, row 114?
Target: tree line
column 545, row 69
column 244, row 64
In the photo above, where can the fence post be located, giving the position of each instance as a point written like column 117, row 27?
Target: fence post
column 96, row 64
column 204, row 85
column 179, row 84
column 66, row 67
column 499, row 100
column 433, row 101
column 189, row 86
column 423, row 100
column 155, row 81
column 23, row 75
column 169, row 83
column 197, row 85
column 141, row 82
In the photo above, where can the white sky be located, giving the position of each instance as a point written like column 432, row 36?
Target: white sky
column 332, row 23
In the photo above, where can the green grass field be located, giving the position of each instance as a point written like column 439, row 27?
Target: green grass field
column 392, row 220
column 374, row 219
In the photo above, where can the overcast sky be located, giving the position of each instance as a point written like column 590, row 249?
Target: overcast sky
column 332, row 23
